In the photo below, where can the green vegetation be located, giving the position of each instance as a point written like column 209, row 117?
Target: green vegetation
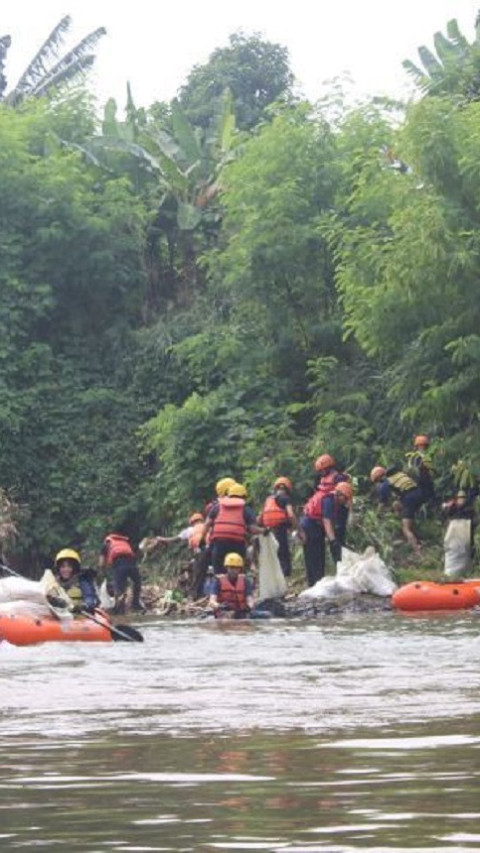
column 233, row 283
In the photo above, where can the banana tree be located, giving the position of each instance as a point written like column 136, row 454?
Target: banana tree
column 46, row 71
column 454, row 67
column 184, row 163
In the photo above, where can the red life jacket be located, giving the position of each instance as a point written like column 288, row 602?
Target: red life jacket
column 230, row 522
column 329, row 481
column 313, row 507
column 272, row 514
column 196, row 535
column 234, row 595
column 117, row 546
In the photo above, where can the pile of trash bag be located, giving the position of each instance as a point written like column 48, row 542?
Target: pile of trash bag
column 21, row 596
column 356, row 573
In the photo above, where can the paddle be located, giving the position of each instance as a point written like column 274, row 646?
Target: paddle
column 120, row 632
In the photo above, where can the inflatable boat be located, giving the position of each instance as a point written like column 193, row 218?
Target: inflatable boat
column 427, row 595
column 24, row 630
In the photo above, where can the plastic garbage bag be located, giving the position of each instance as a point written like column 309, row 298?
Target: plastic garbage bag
column 25, row 608
column 271, row 580
column 107, row 602
column 371, row 574
column 21, row 589
column 356, row 573
column 457, row 548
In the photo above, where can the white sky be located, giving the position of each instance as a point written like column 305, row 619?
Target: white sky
column 154, row 45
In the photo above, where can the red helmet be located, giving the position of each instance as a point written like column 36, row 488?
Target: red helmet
column 324, row 461
column 377, row 473
column 283, row 481
column 421, row 441
column 345, row 489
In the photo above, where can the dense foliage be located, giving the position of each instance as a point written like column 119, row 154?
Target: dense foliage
column 185, row 297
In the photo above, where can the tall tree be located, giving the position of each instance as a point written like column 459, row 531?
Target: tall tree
column 71, row 284
column 408, row 268
column 46, row 71
column 256, row 72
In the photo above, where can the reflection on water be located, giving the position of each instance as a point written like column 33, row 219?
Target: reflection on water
column 356, row 735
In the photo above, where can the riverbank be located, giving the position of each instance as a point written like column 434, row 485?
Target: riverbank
column 163, row 594
column 163, row 601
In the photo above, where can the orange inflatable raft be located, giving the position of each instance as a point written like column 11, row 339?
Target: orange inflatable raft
column 427, row 595
column 28, row 630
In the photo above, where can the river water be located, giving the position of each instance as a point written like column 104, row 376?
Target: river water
column 352, row 733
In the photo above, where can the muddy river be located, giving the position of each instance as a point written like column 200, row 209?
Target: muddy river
column 352, row 733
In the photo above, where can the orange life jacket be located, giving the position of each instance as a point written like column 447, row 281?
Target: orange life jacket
column 230, row 522
column 233, row 595
column 117, row 546
column 272, row 514
column 196, row 535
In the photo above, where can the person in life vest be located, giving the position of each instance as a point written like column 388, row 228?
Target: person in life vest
column 327, row 474
column 279, row 516
column 233, row 591
column 118, row 558
column 77, row 583
column 464, row 502
column 229, row 523
column 192, row 535
column 221, row 490
column 325, row 517
column 420, row 467
column 392, row 482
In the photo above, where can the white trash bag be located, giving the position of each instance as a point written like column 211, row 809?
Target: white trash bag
column 457, row 550
column 107, row 602
column 371, row 574
column 21, row 589
column 356, row 573
column 20, row 607
column 271, row 580
column 27, row 597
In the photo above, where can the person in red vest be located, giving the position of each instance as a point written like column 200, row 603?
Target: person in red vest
column 324, row 518
column 233, row 591
column 327, row 474
column 279, row 516
column 118, row 557
column 229, row 523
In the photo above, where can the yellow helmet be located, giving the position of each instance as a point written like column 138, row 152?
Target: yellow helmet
column 234, row 561
column 223, row 486
column 67, row 554
column 238, row 490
